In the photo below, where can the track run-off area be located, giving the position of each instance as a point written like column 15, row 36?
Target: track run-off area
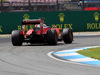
column 34, row 60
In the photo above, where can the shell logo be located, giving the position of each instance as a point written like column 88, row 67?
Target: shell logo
column 96, row 16
column 61, row 17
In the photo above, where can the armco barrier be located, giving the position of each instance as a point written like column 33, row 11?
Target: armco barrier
column 76, row 20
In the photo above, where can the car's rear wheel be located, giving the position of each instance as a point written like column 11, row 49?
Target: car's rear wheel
column 52, row 37
column 67, row 35
column 17, row 38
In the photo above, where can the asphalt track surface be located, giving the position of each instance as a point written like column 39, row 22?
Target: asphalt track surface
column 33, row 59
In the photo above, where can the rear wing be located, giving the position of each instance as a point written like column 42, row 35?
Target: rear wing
column 32, row 21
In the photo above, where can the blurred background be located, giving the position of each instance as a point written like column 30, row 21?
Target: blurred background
column 48, row 5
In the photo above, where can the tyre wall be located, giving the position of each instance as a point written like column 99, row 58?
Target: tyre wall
column 76, row 20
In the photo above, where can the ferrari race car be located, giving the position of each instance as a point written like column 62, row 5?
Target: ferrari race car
column 35, row 31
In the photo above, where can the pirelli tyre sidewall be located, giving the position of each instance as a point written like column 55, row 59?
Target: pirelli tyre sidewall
column 67, row 35
column 16, row 38
column 52, row 37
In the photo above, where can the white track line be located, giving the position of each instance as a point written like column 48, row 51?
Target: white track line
column 67, row 54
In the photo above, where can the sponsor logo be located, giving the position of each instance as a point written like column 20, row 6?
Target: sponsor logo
column 0, row 29
column 3, row 0
column 26, row 17
column 61, row 17
column 62, row 24
column 96, row 25
column 96, row 16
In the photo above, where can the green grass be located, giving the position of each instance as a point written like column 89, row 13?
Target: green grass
column 93, row 53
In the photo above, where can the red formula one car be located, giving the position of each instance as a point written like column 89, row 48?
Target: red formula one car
column 35, row 31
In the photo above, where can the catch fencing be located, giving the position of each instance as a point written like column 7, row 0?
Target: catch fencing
column 38, row 5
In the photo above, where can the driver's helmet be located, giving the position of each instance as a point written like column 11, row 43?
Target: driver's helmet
column 44, row 25
column 38, row 25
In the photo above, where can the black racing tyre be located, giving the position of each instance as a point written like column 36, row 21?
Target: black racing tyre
column 67, row 35
column 17, row 38
column 52, row 37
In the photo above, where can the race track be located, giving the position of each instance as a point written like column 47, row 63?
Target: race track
column 33, row 59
